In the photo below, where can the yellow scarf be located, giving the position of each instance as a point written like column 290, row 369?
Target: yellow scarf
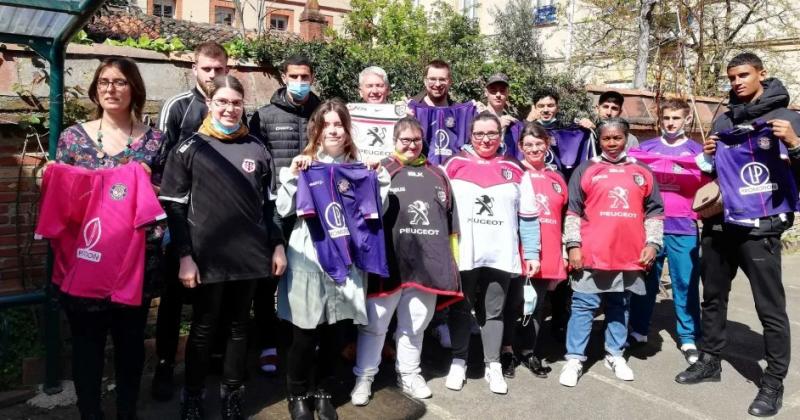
column 418, row 161
column 208, row 129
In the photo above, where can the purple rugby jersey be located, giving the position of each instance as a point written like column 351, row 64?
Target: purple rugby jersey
column 686, row 149
column 445, row 129
column 571, row 146
column 347, row 228
column 754, row 179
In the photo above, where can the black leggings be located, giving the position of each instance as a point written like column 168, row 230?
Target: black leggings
column 522, row 333
column 306, row 366
column 234, row 297
column 89, row 331
column 170, row 306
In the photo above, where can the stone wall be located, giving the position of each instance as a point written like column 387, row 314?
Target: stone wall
column 21, row 258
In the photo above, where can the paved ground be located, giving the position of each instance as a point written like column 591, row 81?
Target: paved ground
column 653, row 395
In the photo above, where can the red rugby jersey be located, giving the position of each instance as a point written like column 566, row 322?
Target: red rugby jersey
column 545, row 192
column 613, row 200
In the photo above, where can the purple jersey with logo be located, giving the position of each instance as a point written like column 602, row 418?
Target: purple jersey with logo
column 571, row 147
column 754, row 178
column 678, row 180
column 444, row 128
column 342, row 206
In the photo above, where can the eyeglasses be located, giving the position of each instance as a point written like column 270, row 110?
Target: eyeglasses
column 491, row 135
column 433, row 80
column 405, row 141
column 224, row 103
column 117, row 83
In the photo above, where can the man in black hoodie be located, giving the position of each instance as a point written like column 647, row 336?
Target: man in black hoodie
column 281, row 125
column 756, row 249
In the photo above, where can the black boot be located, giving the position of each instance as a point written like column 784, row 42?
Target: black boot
column 231, row 404
column 508, row 364
column 768, row 401
column 706, row 369
column 324, row 406
column 535, row 366
column 192, row 406
column 300, row 407
column 162, row 388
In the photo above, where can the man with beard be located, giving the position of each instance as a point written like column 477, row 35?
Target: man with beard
column 760, row 197
column 181, row 116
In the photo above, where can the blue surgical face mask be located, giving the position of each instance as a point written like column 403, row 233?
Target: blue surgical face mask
column 529, row 298
column 298, row 90
column 225, row 130
column 547, row 123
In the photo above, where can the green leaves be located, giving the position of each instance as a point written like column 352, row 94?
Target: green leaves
column 144, row 42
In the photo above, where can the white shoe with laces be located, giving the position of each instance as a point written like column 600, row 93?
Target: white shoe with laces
column 570, row 373
column 619, row 366
column 494, row 376
column 457, row 375
column 362, row 391
column 414, row 386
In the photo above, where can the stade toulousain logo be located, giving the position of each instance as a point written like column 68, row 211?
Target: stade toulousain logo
column 118, row 191
column 557, row 188
column 506, row 173
column 249, row 165
column 343, row 185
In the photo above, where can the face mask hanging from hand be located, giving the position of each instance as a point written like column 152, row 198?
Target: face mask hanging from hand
column 298, row 90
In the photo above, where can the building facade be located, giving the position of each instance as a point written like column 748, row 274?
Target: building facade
column 281, row 15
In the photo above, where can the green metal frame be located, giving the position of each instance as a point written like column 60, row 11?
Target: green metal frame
column 54, row 51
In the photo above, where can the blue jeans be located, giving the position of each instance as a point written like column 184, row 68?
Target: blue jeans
column 682, row 253
column 580, row 322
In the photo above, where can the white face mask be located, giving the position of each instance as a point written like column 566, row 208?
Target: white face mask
column 672, row 136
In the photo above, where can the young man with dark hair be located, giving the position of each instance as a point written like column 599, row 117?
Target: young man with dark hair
column 671, row 158
column 545, row 109
column 609, row 105
column 282, row 126
column 747, row 152
column 181, row 116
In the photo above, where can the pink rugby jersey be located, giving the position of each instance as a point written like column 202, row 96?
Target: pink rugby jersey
column 486, row 193
column 95, row 222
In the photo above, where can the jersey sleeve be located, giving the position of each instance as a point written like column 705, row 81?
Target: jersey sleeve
column 527, row 198
column 303, row 198
column 148, row 209
column 452, row 219
column 370, row 204
column 577, row 197
column 55, row 204
column 176, row 183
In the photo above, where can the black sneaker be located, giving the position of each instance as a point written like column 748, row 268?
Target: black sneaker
column 192, row 406
column 539, row 369
column 231, row 404
column 706, row 369
column 508, row 364
column 768, row 401
column 300, row 407
column 324, row 406
column 163, row 386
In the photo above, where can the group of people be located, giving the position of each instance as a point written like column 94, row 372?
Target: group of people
column 515, row 216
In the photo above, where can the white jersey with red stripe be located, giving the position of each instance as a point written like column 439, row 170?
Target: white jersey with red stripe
column 487, row 196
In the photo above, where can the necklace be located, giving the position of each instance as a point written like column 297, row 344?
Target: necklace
column 101, row 154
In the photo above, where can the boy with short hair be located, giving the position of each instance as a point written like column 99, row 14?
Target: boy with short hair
column 671, row 157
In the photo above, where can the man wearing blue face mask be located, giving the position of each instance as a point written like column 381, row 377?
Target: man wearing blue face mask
column 281, row 126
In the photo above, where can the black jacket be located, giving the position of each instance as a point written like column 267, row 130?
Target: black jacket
column 282, row 125
column 770, row 105
column 180, row 117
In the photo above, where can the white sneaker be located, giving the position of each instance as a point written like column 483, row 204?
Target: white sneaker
column 457, row 375
column 443, row 334
column 570, row 373
column 362, row 391
column 494, row 376
column 619, row 366
column 414, row 386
